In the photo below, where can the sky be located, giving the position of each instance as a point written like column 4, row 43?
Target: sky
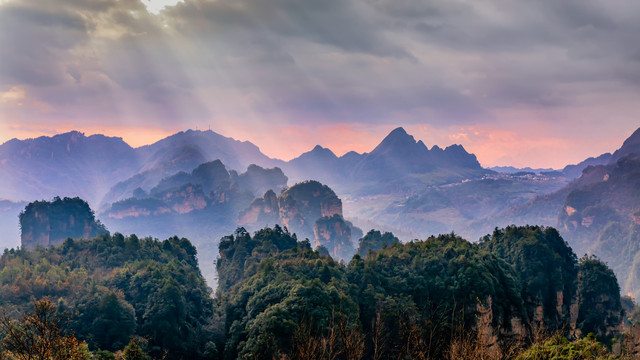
column 541, row 83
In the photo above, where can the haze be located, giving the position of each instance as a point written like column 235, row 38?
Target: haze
column 540, row 84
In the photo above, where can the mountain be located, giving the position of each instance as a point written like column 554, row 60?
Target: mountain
column 198, row 203
column 182, row 152
column 194, row 146
column 72, row 164
column 399, row 154
column 630, row 146
column 574, row 171
column 319, row 164
column 603, row 218
column 513, row 170
column 398, row 163
column 202, row 204
column 545, row 208
column 597, row 213
column 69, row 164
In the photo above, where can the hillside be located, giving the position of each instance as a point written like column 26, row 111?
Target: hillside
column 279, row 297
column 603, row 218
column 276, row 297
column 115, row 288
column 69, row 164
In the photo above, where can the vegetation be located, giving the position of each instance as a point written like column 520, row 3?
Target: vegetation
column 421, row 293
column 599, row 294
column 374, row 241
column 441, row 298
column 547, row 269
column 560, row 348
column 41, row 334
column 114, row 287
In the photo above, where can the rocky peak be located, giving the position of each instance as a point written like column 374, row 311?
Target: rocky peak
column 47, row 223
column 457, row 155
column 398, row 142
column 630, row 146
column 297, row 208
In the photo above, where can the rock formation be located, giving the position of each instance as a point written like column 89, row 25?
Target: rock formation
column 45, row 223
column 308, row 209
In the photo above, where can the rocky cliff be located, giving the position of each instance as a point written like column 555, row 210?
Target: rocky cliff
column 308, row 209
column 334, row 233
column 45, row 223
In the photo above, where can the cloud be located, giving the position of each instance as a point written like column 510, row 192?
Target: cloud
column 332, row 63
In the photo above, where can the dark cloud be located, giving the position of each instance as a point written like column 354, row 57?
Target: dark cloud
column 34, row 42
column 348, row 25
column 376, row 61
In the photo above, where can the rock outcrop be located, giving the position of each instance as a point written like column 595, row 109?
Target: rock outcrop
column 334, row 233
column 45, row 223
column 308, row 209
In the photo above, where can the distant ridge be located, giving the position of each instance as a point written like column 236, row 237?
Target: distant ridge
column 396, row 157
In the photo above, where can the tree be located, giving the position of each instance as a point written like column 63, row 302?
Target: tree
column 41, row 335
column 115, row 322
column 599, row 296
column 547, row 269
column 374, row 241
column 134, row 351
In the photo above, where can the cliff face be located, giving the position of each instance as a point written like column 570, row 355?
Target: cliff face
column 334, row 233
column 601, row 217
column 209, row 190
column 310, row 210
column 264, row 210
column 45, row 223
column 297, row 208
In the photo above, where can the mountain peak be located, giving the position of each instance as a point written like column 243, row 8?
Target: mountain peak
column 73, row 134
column 630, row 146
column 399, row 134
column 633, row 139
column 398, row 139
column 319, row 152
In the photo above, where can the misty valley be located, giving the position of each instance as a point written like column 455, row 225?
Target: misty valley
column 199, row 246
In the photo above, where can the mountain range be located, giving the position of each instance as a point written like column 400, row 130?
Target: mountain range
column 201, row 184
column 104, row 169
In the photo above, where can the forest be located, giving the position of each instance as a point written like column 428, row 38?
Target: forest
column 520, row 293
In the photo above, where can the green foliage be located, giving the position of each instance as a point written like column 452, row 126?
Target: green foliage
column 292, row 292
column 546, row 266
column 559, row 348
column 134, row 351
column 279, row 299
column 104, row 355
column 105, row 318
column 374, row 241
column 115, row 287
column 239, row 252
column 600, row 309
column 429, row 289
